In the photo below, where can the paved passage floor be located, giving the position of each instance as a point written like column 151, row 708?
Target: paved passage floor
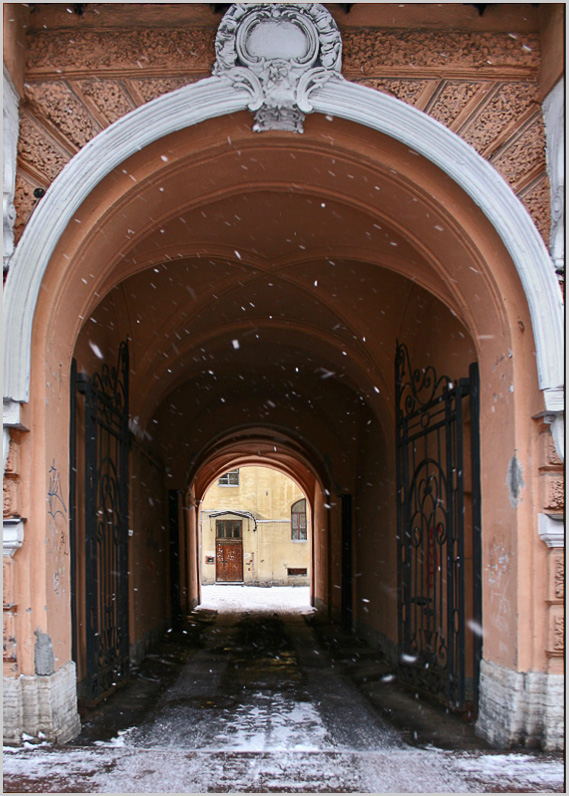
column 246, row 697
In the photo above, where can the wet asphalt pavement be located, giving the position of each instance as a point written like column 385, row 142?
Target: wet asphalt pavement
column 267, row 701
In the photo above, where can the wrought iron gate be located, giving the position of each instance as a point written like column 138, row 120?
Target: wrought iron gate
column 105, row 503
column 438, row 514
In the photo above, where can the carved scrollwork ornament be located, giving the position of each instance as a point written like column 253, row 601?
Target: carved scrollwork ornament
column 279, row 53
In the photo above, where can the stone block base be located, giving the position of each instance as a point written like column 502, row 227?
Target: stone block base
column 44, row 708
column 521, row 708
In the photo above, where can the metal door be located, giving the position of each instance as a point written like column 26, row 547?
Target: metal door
column 438, row 508
column 105, row 506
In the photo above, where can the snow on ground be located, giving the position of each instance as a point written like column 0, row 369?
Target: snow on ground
column 275, row 723
column 410, row 770
column 537, row 772
column 274, row 743
column 229, row 598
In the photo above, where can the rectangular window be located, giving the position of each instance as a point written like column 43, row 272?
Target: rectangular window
column 229, row 479
column 228, row 529
column 293, row 572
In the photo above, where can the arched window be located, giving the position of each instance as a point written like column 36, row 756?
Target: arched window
column 298, row 521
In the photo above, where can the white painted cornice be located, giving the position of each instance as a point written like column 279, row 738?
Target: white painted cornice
column 13, row 535
column 551, row 530
column 215, row 97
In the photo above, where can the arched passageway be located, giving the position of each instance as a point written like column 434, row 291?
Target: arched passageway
column 263, row 318
column 263, row 284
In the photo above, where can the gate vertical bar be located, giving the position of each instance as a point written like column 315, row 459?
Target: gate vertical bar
column 476, row 523
column 91, row 569
column 450, row 398
column 73, row 504
column 462, row 391
column 124, row 468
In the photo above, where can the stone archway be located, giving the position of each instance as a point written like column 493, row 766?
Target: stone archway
column 409, row 157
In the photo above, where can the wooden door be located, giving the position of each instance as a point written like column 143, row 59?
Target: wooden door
column 229, row 562
column 229, row 552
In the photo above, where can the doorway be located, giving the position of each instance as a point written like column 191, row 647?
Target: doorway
column 229, row 551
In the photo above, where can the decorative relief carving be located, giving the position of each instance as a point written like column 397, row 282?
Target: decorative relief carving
column 150, row 88
column 504, row 106
column 536, row 200
column 8, row 588
column 10, row 497
column 371, row 51
column 55, row 101
column 8, row 582
column 551, row 455
column 24, row 202
column 88, row 51
column 9, row 637
column 37, row 149
column 108, row 96
column 523, row 154
column 451, row 100
column 279, row 54
column 170, row 55
column 558, row 639
column 11, row 468
column 558, row 578
column 554, row 493
column 406, row 90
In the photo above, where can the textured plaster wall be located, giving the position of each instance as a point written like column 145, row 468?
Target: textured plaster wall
column 148, row 549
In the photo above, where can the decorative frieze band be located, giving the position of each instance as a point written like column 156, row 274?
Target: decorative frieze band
column 370, row 51
column 367, row 51
column 480, row 84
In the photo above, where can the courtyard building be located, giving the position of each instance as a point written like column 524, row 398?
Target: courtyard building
column 254, row 530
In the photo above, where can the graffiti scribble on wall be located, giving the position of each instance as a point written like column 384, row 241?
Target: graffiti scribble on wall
column 57, row 525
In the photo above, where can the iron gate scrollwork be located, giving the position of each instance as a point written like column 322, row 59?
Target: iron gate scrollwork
column 438, row 513
column 106, row 526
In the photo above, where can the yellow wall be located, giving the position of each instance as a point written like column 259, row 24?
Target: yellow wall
column 268, row 552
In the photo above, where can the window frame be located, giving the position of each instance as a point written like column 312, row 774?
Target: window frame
column 227, row 475
column 233, row 525
column 302, row 537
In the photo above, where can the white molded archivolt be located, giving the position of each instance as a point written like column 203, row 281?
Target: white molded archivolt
column 10, row 127
column 554, row 117
column 217, row 96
